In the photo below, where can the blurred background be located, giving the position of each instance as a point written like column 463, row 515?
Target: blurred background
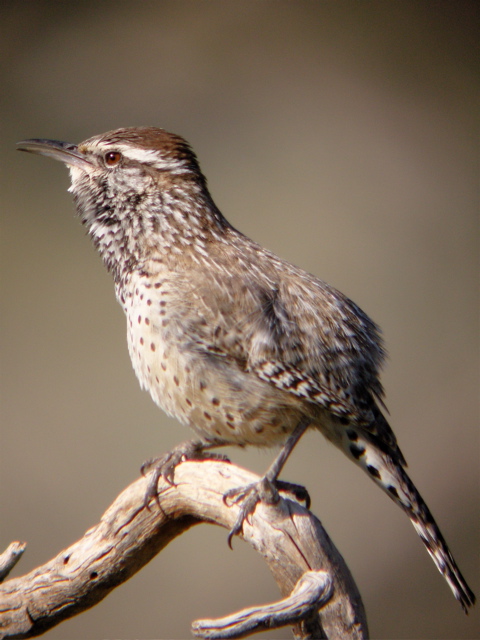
column 342, row 136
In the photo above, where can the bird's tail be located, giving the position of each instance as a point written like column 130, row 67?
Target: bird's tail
column 390, row 475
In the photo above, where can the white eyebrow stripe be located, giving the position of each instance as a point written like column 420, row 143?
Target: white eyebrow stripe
column 151, row 157
column 140, row 155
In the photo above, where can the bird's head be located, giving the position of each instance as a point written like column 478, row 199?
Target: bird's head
column 137, row 190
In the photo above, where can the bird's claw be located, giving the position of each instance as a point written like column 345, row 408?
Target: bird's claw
column 299, row 492
column 164, row 466
column 248, row 496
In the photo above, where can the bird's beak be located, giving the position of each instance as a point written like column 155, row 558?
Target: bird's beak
column 63, row 151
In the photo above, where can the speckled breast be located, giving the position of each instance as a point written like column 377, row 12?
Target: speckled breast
column 211, row 395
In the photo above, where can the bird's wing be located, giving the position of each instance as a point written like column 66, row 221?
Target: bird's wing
column 297, row 333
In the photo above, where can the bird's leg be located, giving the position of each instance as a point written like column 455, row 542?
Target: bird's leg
column 164, row 466
column 249, row 495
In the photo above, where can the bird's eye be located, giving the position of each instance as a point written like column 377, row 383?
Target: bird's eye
column 112, row 158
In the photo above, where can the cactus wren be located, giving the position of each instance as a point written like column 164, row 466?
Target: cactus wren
column 233, row 341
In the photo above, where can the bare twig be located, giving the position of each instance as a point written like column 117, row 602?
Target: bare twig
column 312, row 592
column 290, row 538
column 10, row 557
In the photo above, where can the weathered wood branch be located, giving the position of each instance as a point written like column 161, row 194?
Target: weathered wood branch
column 10, row 557
column 313, row 591
column 289, row 537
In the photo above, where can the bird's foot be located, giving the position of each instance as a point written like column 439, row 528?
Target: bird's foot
column 247, row 497
column 266, row 491
column 164, row 466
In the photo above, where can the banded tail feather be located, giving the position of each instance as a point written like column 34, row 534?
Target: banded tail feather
column 385, row 468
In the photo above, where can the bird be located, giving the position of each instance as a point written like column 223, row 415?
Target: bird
column 231, row 340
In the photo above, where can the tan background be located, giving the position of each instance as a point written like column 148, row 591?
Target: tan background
column 341, row 135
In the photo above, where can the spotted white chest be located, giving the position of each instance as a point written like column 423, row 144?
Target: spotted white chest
column 218, row 402
column 155, row 359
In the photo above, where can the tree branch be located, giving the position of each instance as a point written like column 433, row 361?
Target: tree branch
column 10, row 557
column 313, row 591
column 289, row 537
